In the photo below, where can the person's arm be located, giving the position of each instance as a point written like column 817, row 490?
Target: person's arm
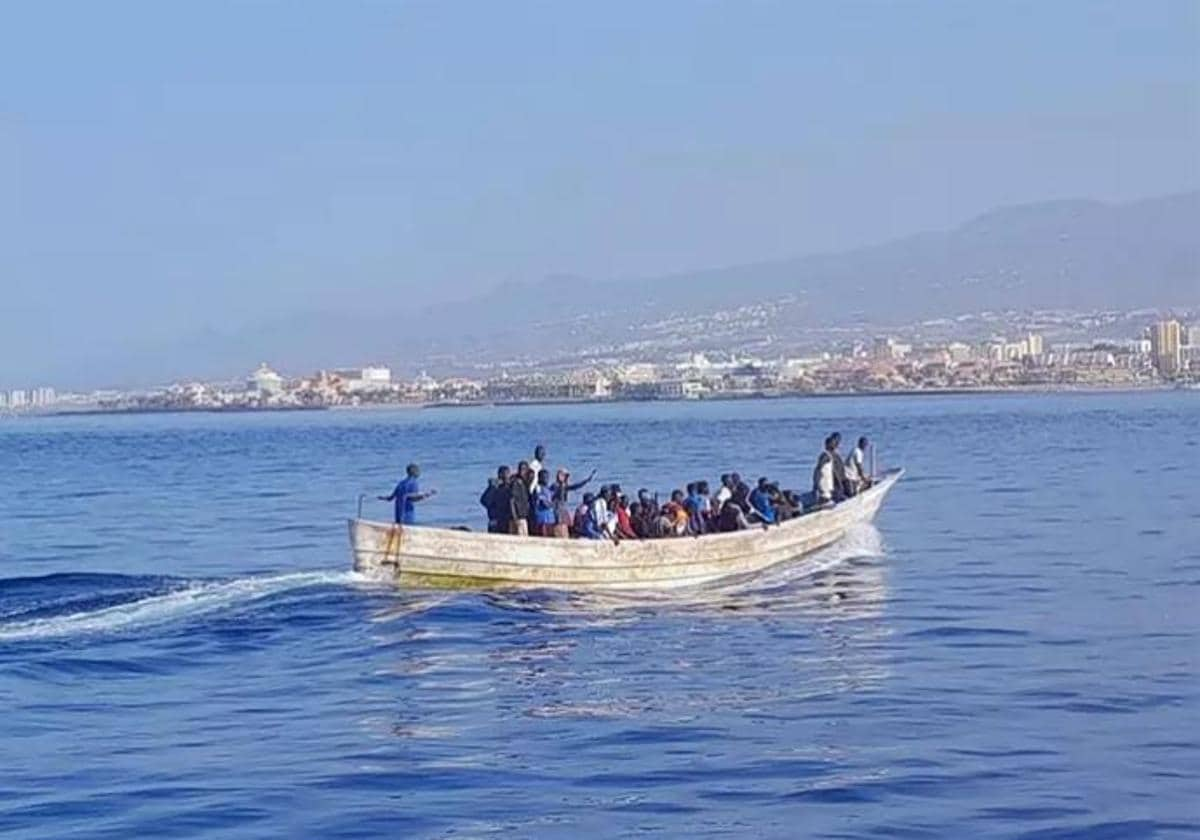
column 577, row 485
column 420, row 497
column 389, row 498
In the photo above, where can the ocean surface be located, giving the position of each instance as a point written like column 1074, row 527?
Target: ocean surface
column 1012, row 651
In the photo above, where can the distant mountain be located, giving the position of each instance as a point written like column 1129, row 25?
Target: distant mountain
column 1074, row 255
column 1077, row 255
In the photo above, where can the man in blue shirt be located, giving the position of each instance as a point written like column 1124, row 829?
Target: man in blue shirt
column 406, row 494
column 760, row 500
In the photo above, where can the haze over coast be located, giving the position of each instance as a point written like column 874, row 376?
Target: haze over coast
column 1074, row 255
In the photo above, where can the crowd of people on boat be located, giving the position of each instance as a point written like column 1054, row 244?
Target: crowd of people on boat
column 528, row 501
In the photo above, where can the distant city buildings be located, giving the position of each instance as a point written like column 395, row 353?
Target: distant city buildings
column 265, row 382
column 931, row 356
column 19, row 399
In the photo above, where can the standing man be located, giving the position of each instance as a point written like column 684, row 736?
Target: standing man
column 495, row 502
column 841, row 488
column 823, row 475
column 518, row 501
column 856, row 468
column 406, row 495
column 536, row 466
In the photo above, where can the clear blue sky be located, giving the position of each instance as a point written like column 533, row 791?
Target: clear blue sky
column 167, row 168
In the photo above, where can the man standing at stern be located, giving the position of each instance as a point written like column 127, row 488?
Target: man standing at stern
column 406, row 495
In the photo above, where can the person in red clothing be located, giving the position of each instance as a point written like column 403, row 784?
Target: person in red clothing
column 624, row 523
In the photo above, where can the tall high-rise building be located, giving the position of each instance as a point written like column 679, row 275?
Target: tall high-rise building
column 1165, row 339
column 1193, row 336
column 1033, row 345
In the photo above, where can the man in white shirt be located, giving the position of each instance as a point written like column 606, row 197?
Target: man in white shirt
column 856, row 468
column 602, row 512
column 724, row 492
column 824, row 480
column 537, row 465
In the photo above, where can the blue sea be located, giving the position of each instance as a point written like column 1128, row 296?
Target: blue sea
column 1013, row 650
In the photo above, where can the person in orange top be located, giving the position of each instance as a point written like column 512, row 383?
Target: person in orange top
column 676, row 515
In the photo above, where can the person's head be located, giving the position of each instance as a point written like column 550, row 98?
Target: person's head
column 863, row 443
column 539, row 452
column 523, row 469
column 644, row 496
column 702, row 488
column 562, row 476
column 543, row 478
column 691, row 489
column 588, row 498
column 413, row 470
column 502, row 472
column 836, row 439
column 829, row 444
column 677, row 496
column 763, row 483
column 616, row 489
column 726, row 480
column 735, row 480
column 635, row 509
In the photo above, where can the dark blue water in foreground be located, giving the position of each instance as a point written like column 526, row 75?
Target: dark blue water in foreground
column 1014, row 652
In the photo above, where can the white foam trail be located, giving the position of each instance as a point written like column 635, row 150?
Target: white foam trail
column 193, row 600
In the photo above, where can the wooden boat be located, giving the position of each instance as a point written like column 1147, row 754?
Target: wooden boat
column 440, row 557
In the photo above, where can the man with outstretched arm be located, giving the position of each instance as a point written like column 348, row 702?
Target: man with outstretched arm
column 406, row 495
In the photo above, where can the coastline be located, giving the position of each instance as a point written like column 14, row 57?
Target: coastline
column 786, row 395
column 1027, row 390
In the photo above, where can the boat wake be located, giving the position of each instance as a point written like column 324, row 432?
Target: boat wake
column 187, row 599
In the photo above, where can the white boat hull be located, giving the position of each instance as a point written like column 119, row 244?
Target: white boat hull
column 421, row 556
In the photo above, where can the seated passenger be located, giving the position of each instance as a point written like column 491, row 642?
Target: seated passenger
column 731, row 518
column 741, row 493
column 602, row 514
column 625, row 529
column 782, row 501
column 582, row 512
column 645, row 518
column 760, row 501
column 692, row 503
column 675, row 515
column 724, row 492
column 706, row 505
